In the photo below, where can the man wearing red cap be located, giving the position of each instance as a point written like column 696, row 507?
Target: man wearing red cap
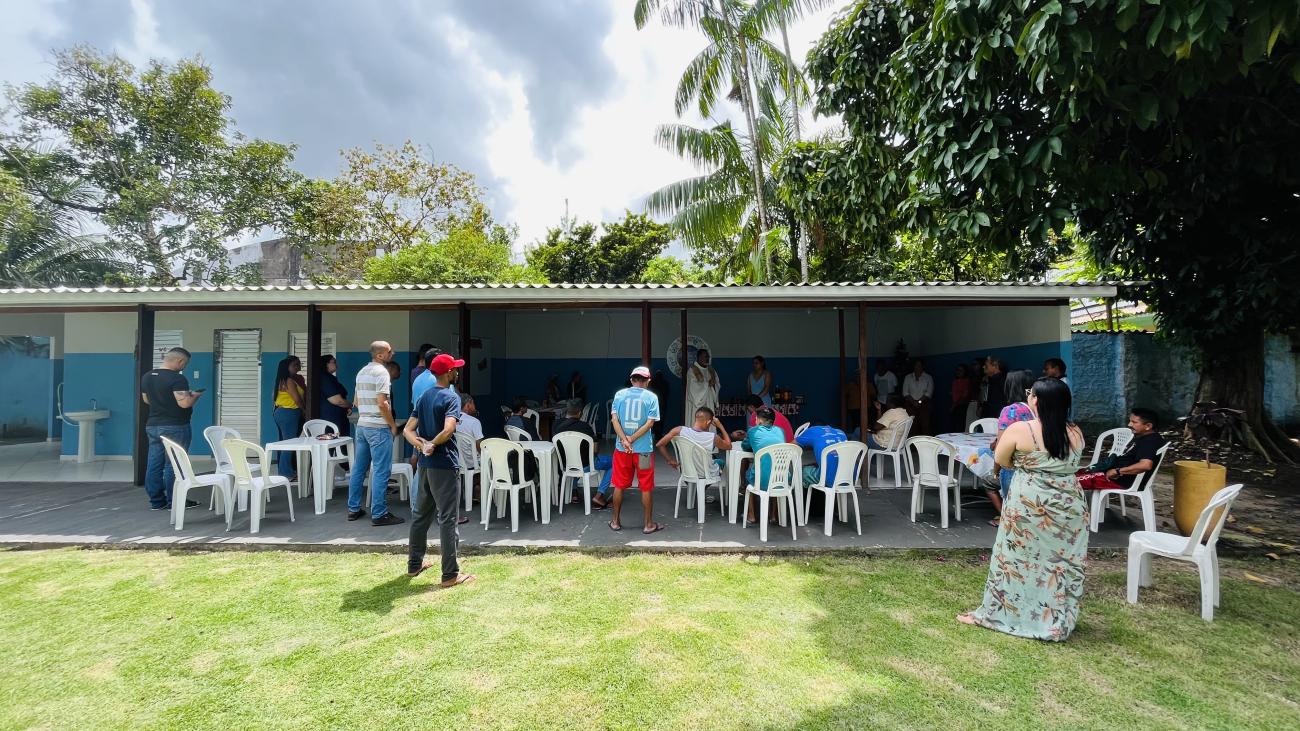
column 432, row 431
column 634, row 413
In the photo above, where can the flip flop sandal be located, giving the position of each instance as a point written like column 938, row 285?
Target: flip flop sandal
column 421, row 570
column 462, row 520
column 657, row 527
column 460, row 579
column 611, row 526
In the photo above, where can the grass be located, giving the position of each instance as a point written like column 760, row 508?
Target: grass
column 125, row 639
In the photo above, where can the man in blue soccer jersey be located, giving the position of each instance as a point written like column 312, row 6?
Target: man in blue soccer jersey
column 634, row 414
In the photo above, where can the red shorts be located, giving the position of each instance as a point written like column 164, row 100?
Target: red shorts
column 1098, row 481
column 625, row 464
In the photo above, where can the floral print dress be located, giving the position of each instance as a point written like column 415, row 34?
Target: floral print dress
column 1036, row 574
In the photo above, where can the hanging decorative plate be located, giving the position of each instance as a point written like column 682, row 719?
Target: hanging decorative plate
column 693, row 346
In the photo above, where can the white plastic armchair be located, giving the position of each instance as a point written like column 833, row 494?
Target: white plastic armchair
column 983, row 426
column 698, row 472
column 1198, row 548
column 570, row 446
column 340, row 457
column 536, row 419
column 802, row 428
column 515, row 434
column 257, row 486
column 838, row 487
column 186, row 480
column 495, row 456
column 467, row 457
column 1142, row 489
column 893, row 451
column 1119, row 440
column 926, row 473
column 784, row 481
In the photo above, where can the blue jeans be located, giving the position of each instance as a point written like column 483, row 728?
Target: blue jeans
column 289, row 424
column 374, row 447
column 606, row 463
column 158, row 475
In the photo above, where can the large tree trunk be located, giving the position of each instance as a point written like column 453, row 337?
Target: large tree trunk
column 800, row 242
column 1238, row 383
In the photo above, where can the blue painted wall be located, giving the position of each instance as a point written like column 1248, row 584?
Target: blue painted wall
column 27, row 380
column 110, row 379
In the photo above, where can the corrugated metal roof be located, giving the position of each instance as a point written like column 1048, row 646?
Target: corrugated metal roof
column 326, row 294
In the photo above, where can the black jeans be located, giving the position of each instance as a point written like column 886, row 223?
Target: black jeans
column 435, row 498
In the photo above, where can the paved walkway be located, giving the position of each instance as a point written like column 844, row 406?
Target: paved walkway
column 49, row 514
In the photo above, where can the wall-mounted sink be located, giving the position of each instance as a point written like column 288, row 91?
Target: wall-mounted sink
column 85, row 421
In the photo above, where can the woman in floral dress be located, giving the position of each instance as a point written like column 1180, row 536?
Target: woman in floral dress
column 1036, row 573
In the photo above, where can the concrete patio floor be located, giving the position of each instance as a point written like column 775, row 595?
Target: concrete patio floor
column 101, row 513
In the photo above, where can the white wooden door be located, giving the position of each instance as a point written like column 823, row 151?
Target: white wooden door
column 239, row 381
column 298, row 347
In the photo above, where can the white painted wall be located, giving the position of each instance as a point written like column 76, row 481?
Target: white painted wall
column 42, row 325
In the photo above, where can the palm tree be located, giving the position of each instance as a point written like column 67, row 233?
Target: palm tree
column 718, row 209
column 42, row 244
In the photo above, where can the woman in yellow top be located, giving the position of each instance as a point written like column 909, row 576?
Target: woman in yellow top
column 290, row 390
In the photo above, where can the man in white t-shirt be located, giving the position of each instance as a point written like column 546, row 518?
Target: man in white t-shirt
column 706, row 431
column 918, row 394
column 470, row 426
column 886, row 382
column 376, row 429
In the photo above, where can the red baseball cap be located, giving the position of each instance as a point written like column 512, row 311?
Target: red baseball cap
column 443, row 363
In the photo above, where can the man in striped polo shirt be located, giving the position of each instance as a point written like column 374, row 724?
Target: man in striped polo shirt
column 374, row 439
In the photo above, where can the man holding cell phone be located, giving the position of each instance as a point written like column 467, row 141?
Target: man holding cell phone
column 171, row 403
column 634, row 413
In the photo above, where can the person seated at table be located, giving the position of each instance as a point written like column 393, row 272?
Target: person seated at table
column 519, row 421
column 754, row 403
column 1016, row 390
column 764, row 433
column 553, row 390
column 1119, row 472
column 706, row 431
column 470, row 425
column 572, row 421
column 818, row 437
column 883, row 431
column 577, row 388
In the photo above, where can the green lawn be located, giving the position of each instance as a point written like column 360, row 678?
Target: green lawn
column 136, row 639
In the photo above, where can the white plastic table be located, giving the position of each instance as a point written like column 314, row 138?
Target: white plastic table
column 735, row 456
column 972, row 450
column 313, row 455
column 545, row 454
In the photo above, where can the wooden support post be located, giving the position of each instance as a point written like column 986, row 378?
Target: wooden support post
column 312, row 366
column 864, row 418
column 686, row 401
column 645, row 334
column 465, row 347
column 143, row 364
column 844, row 407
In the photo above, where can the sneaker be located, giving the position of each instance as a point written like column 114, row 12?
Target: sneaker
column 355, row 515
column 160, row 507
column 387, row 519
column 191, row 504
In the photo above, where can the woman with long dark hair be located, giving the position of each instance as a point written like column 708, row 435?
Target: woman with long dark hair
column 287, row 394
column 760, row 380
column 1036, row 574
column 1017, row 409
column 334, row 405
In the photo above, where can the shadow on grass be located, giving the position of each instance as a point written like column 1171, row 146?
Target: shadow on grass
column 380, row 599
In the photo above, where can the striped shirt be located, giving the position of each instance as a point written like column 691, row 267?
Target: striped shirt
column 372, row 380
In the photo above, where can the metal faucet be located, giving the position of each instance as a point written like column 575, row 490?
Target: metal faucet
column 94, row 405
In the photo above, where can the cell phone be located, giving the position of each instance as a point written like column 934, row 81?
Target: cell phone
column 643, row 461
column 198, row 390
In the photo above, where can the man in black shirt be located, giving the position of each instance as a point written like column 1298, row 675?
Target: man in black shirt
column 995, row 399
column 1122, row 470
column 572, row 421
column 171, row 402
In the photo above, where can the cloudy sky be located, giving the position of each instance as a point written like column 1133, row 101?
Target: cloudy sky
column 544, row 100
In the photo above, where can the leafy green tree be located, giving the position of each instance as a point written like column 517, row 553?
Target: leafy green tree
column 156, row 155
column 619, row 255
column 671, row 270
column 42, row 244
column 1167, row 131
column 468, row 255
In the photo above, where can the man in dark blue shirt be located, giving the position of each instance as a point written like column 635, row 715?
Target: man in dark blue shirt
column 432, row 431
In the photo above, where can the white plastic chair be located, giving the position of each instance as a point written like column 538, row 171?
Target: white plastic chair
column 983, row 426
column 515, row 434
column 187, row 480
column 339, row 456
column 894, row 451
column 845, row 482
column 802, row 428
column 494, row 459
column 258, row 487
column 698, row 472
column 536, row 417
column 468, row 459
column 1142, row 489
column 926, row 473
column 569, row 448
column 1120, row 438
column 1143, row 545
column 783, row 480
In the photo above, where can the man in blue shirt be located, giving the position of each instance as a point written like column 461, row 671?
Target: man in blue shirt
column 764, row 433
column 817, row 438
column 634, row 413
column 432, row 430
